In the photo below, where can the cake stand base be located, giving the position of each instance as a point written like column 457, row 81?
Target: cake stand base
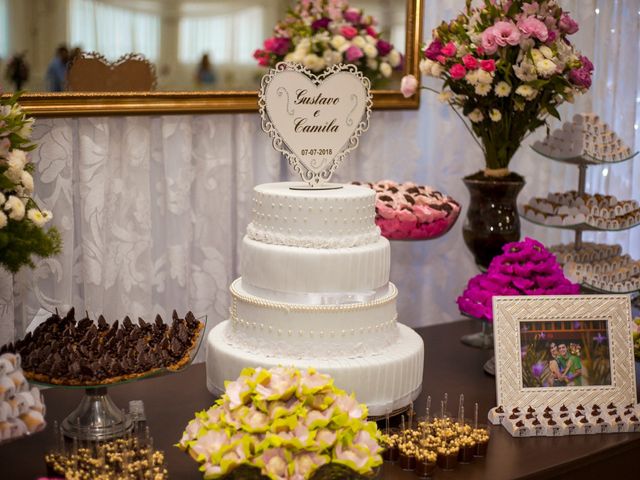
column 97, row 418
column 490, row 366
column 483, row 339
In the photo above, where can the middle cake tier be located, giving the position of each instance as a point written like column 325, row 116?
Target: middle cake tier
column 316, row 275
column 269, row 327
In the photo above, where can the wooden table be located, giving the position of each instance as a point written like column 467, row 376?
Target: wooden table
column 170, row 402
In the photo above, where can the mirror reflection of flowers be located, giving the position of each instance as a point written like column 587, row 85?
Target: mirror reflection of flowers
column 506, row 65
column 525, row 268
column 22, row 222
column 322, row 33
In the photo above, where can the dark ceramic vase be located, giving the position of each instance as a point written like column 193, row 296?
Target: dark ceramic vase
column 492, row 217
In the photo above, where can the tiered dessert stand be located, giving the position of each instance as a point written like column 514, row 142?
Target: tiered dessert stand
column 583, row 162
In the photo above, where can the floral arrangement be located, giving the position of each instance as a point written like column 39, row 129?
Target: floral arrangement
column 285, row 422
column 525, row 268
column 506, row 66
column 322, row 33
column 22, row 222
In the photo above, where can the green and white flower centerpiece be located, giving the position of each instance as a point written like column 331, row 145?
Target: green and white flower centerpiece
column 283, row 423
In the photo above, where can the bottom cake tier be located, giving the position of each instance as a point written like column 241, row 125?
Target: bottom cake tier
column 384, row 382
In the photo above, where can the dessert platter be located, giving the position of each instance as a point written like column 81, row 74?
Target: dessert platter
column 572, row 420
column 94, row 355
column 587, row 141
column 406, row 211
column 21, row 407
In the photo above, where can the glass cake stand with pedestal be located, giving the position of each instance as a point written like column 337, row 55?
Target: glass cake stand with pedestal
column 97, row 418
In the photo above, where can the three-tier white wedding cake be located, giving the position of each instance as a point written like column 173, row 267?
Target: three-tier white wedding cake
column 315, row 292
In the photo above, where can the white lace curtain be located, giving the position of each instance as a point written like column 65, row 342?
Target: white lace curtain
column 151, row 209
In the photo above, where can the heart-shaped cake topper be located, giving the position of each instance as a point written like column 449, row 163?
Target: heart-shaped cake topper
column 315, row 120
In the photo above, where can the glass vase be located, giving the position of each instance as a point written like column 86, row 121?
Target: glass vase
column 492, row 217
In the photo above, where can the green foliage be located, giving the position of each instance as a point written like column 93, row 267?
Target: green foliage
column 20, row 240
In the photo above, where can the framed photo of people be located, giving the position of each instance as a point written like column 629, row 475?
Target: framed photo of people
column 564, row 350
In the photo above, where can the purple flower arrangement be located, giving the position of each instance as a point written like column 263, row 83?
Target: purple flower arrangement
column 525, row 268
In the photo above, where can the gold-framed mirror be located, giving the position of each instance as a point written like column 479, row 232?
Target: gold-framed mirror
column 41, row 19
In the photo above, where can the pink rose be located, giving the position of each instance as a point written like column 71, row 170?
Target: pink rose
column 408, row 86
column 506, row 33
column 470, row 62
column 372, row 31
column 532, row 27
column 348, row 32
column 480, row 50
column 488, row 65
column 277, row 45
column 442, row 59
column 262, row 57
column 551, row 37
column 568, row 25
column 353, row 53
column 449, row 49
column 457, row 71
column 489, row 44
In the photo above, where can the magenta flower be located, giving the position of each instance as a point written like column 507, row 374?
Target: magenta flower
column 488, row 65
column 348, row 32
column 449, row 49
column 506, row 33
column 372, row 31
column 433, row 50
column 457, row 71
column 551, row 37
column 586, row 63
column 321, row 23
column 470, row 62
column 532, row 27
column 262, row 57
column 384, row 47
column 352, row 15
column 353, row 53
column 277, row 45
column 567, row 24
column 580, row 77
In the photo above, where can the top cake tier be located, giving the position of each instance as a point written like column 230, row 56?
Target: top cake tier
column 317, row 218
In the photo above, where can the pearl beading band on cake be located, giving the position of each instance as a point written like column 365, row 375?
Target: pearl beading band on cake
column 254, row 232
column 292, row 307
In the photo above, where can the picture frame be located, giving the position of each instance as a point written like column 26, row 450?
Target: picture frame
column 593, row 332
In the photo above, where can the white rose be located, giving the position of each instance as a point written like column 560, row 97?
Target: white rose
column 304, row 45
column 27, row 181
column 425, row 66
column 536, row 55
column 338, row 42
column 371, row 40
column 436, row 69
column 495, row 115
column 13, row 174
column 359, row 41
column 17, row 159
column 394, row 58
column 295, row 56
column 2, row 198
column 472, row 77
column 503, row 89
column 331, row 57
column 372, row 64
column 545, row 67
column 485, row 78
column 15, row 207
column 385, row 69
column 476, row 116
column 370, row 51
column 313, row 62
column 3, row 219
column 546, row 51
